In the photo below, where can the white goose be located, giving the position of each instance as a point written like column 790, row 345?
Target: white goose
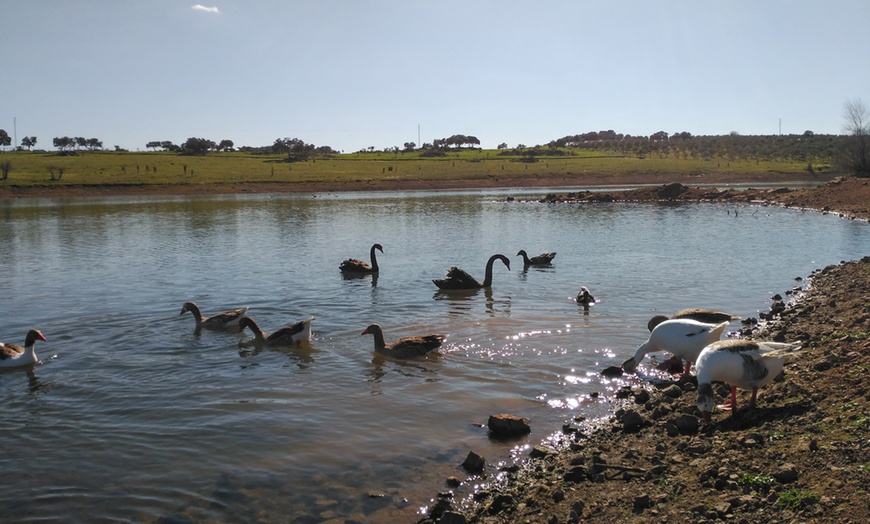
column 744, row 364
column 227, row 320
column 708, row 316
column 683, row 337
column 13, row 355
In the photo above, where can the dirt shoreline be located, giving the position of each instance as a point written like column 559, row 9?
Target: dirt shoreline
column 585, row 180
column 802, row 456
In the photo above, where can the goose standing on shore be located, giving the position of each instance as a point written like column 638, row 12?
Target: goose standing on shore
column 357, row 266
column 405, row 347
column 744, row 364
column 13, row 355
column 683, row 337
column 227, row 320
column 459, row 279
column 289, row 335
column 544, row 259
column 707, row 316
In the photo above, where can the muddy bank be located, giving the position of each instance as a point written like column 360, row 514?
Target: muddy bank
column 398, row 184
column 803, row 455
column 847, row 196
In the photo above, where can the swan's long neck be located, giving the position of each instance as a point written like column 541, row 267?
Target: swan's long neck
column 487, row 279
column 374, row 259
column 526, row 260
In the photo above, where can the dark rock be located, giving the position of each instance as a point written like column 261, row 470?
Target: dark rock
column 787, row 473
column 641, row 396
column 540, row 452
column 673, row 391
column 722, row 508
column 576, row 512
column 672, row 190
column 632, row 421
column 686, row 424
column 642, row 502
column 474, row 463
column 453, row 482
column 452, row 517
column 502, row 502
column 612, row 371
column 508, row 426
column 575, row 474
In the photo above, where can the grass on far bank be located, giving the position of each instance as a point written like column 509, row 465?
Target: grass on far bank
column 162, row 168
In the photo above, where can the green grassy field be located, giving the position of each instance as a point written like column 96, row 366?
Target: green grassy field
column 160, row 168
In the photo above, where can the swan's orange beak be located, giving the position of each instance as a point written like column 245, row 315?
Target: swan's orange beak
column 42, row 337
column 365, row 331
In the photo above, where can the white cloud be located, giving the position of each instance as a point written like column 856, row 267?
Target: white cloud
column 199, row 7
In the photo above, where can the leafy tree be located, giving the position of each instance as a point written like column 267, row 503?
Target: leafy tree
column 94, row 144
column 297, row 150
column 153, row 145
column 409, row 146
column 226, row 145
column 28, row 142
column 63, row 143
column 197, row 146
column 5, row 139
column 855, row 154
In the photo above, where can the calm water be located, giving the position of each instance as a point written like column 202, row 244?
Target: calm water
column 132, row 416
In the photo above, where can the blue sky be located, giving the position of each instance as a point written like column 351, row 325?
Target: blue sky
column 352, row 74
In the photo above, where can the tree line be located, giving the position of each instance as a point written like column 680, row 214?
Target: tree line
column 851, row 151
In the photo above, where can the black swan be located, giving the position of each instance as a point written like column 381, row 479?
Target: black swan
column 354, row 265
column 459, row 279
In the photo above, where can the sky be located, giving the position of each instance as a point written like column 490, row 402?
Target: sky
column 354, row 74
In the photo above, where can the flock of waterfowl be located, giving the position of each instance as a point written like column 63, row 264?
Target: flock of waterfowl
column 692, row 335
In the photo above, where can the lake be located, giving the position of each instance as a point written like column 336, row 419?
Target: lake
column 133, row 416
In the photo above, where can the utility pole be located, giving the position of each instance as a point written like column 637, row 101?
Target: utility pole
column 780, row 127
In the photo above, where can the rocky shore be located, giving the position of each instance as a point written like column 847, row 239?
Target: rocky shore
column 803, row 455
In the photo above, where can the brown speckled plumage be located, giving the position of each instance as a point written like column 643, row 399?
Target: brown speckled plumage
column 405, row 347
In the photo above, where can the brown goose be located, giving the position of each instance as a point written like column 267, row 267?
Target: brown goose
column 707, row 316
column 405, row 347
column 228, row 320
column 459, row 279
column 289, row 335
column 544, row 259
column 354, row 265
column 13, row 355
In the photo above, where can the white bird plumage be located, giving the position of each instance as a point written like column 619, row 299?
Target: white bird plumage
column 744, row 364
column 13, row 355
column 685, row 338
